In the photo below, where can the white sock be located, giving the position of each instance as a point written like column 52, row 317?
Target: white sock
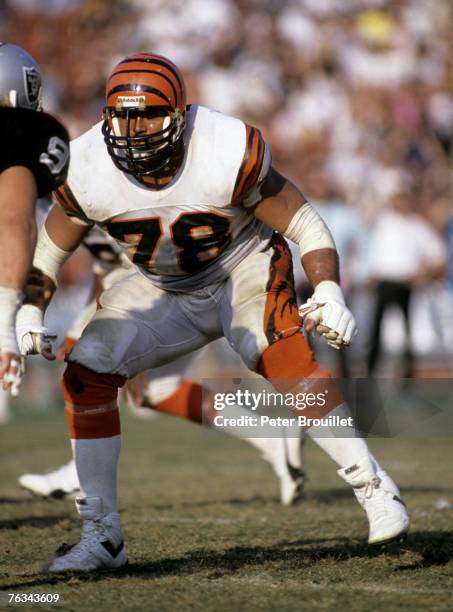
column 96, row 462
column 295, row 436
column 345, row 450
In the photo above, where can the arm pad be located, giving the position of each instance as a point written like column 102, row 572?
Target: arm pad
column 308, row 230
column 48, row 256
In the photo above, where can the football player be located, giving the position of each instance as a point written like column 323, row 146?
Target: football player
column 192, row 196
column 166, row 391
column 33, row 161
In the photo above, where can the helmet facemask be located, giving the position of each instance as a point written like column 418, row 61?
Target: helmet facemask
column 146, row 153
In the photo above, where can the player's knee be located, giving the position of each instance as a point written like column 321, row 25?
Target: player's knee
column 82, row 386
column 90, row 402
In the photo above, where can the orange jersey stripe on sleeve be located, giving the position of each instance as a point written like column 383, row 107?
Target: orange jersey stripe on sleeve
column 252, row 161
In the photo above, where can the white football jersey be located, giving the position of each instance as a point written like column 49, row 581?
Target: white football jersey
column 194, row 231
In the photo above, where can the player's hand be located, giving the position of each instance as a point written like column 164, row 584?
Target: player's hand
column 36, row 342
column 33, row 337
column 327, row 312
column 11, row 372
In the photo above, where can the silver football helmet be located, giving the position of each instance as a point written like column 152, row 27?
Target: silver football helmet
column 20, row 78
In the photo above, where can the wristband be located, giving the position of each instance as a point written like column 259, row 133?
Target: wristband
column 10, row 300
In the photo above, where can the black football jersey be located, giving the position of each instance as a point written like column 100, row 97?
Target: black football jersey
column 37, row 141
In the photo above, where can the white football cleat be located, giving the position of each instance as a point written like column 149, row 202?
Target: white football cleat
column 380, row 498
column 60, row 483
column 101, row 543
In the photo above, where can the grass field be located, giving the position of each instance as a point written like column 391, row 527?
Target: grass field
column 205, row 531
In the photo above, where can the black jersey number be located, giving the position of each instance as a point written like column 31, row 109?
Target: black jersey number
column 143, row 234
column 201, row 237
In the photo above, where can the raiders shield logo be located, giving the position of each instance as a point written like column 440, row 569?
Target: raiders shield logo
column 32, row 80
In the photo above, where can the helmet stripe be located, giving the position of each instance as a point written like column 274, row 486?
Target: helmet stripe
column 165, row 77
column 158, row 62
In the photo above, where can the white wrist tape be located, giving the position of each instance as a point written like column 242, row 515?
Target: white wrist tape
column 328, row 290
column 48, row 256
column 30, row 317
column 308, row 230
column 10, row 300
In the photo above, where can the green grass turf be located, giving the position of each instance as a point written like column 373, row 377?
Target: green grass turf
column 204, row 529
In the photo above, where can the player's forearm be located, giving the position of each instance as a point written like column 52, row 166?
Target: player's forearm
column 17, row 238
column 317, row 249
column 321, row 265
column 285, row 209
column 42, row 280
column 39, row 289
column 17, row 225
column 17, row 242
column 50, row 254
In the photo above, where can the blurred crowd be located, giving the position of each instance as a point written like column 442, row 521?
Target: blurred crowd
column 355, row 98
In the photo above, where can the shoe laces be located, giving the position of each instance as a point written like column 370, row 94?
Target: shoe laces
column 370, row 486
column 91, row 532
column 380, row 502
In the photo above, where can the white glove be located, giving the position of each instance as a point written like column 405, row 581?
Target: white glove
column 332, row 318
column 32, row 337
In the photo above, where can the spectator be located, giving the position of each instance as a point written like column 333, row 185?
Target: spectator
column 405, row 253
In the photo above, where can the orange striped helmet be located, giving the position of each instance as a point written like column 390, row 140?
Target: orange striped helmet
column 144, row 85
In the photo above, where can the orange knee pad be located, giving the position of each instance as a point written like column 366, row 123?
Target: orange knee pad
column 84, row 387
column 90, row 402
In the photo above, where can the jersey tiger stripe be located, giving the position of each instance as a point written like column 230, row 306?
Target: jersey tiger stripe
column 251, row 164
column 68, row 202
